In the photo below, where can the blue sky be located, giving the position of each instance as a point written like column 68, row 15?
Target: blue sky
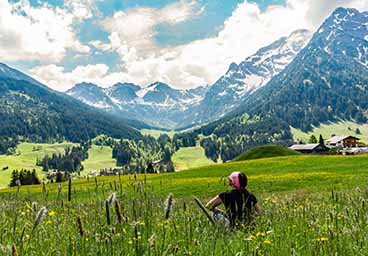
column 185, row 43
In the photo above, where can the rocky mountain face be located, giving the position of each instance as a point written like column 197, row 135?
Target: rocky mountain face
column 157, row 104
column 245, row 78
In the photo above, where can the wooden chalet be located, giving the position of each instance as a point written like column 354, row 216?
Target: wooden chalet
column 343, row 142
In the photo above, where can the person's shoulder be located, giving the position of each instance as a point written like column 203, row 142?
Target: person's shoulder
column 252, row 196
column 225, row 192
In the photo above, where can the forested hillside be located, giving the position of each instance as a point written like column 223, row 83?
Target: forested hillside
column 35, row 113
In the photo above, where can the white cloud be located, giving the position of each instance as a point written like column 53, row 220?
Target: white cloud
column 57, row 78
column 132, row 36
column 42, row 33
column 133, row 31
column 82, row 9
column 100, row 45
column 203, row 61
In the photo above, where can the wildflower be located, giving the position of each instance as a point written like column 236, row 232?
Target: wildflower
column 267, row 242
column 49, row 222
column 23, row 213
column 52, row 213
column 251, row 238
column 260, row 234
column 322, row 239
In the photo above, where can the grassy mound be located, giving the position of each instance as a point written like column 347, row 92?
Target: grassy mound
column 265, row 152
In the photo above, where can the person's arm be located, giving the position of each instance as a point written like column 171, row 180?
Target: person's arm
column 258, row 209
column 213, row 203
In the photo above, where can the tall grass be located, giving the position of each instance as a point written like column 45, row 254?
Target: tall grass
column 131, row 221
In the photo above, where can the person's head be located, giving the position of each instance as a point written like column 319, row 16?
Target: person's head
column 238, row 180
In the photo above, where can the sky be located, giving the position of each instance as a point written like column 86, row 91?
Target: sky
column 184, row 43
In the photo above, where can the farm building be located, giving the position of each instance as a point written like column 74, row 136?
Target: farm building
column 310, row 148
column 343, row 142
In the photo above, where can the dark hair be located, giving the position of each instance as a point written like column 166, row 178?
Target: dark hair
column 243, row 180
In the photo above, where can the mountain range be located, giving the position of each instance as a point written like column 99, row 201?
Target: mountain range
column 299, row 81
column 157, row 104
column 326, row 82
column 163, row 106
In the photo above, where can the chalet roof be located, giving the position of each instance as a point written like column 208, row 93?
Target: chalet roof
column 337, row 139
column 305, row 146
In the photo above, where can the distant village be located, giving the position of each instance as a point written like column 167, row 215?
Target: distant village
column 336, row 145
column 344, row 145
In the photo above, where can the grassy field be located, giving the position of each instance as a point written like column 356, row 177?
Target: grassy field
column 312, row 205
column 265, row 152
column 340, row 128
column 99, row 157
column 157, row 133
column 26, row 158
column 189, row 158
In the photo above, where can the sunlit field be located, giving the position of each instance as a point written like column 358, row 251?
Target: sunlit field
column 25, row 158
column 189, row 158
column 312, row 206
column 99, row 157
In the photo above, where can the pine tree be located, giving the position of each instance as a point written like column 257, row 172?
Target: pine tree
column 321, row 140
column 313, row 139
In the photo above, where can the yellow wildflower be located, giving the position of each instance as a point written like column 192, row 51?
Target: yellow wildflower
column 267, row 242
column 23, row 213
column 322, row 239
column 260, row 234
column 251, row 238
column 52, row 213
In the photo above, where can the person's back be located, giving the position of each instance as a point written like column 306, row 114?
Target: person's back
column 239, row 202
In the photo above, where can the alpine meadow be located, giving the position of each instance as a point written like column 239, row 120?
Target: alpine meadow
column 184, row 127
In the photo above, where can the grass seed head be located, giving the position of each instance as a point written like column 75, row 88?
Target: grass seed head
column 112, row 198
column 80, row 226
column 39, row 217
column 14, row 251
column 168, row 205
column 118, row 212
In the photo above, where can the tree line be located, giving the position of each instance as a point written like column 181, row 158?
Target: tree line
column 70, row 161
